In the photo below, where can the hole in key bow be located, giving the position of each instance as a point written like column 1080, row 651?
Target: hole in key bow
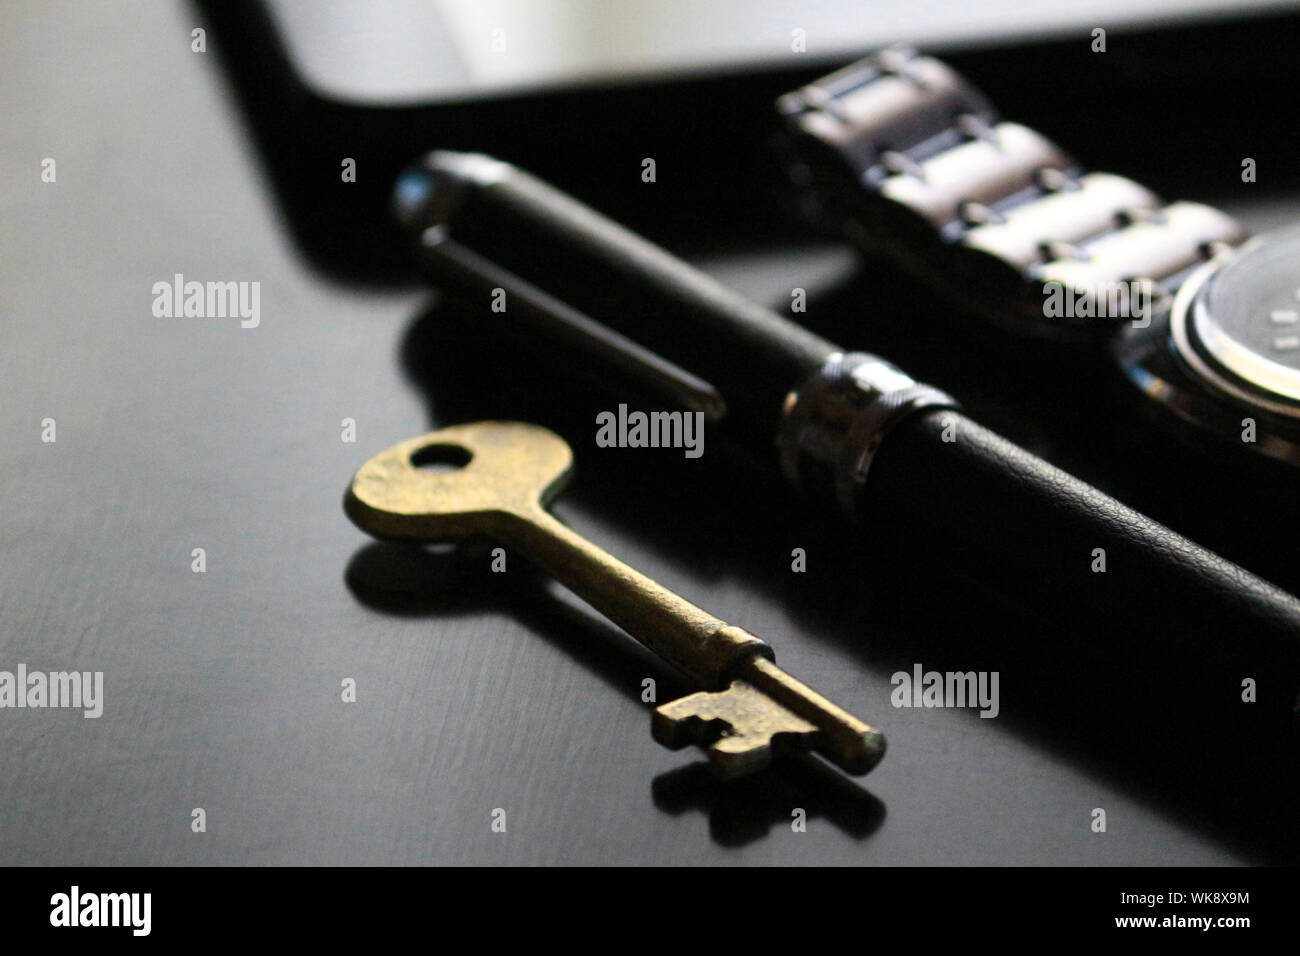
column 442, row 458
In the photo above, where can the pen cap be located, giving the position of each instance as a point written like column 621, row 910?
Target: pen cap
column 616, row 277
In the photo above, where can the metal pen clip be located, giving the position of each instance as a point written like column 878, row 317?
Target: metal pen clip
column 561, row 321
column 424, row 203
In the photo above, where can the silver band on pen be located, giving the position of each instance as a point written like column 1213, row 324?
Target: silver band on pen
column 838, row 417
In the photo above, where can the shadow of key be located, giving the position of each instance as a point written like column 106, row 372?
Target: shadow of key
column 745, row 810
column 450, row 580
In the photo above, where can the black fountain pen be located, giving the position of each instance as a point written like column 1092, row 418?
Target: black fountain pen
column 855, row 429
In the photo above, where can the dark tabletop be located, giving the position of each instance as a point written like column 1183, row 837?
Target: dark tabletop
column 474, row 692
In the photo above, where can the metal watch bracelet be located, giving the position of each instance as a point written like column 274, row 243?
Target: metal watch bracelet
column 912, row 154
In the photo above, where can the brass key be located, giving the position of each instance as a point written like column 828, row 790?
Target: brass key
column 509, row 473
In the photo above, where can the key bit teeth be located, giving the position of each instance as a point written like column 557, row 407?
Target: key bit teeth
column 739, row 725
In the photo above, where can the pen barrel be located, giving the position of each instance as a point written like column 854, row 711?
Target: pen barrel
column 1137, row 594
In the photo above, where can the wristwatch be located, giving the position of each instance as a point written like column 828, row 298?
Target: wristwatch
column 909, row 160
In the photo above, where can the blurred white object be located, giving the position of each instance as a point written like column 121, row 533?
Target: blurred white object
column 419, row 50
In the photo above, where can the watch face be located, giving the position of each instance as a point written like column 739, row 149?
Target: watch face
column 1226, row 357
column 1240, row 327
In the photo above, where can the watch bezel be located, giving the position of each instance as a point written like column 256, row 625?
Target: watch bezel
column 1162, row 361
column 1224, row 362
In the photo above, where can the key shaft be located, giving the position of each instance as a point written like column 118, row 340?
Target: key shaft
column 701, row 646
